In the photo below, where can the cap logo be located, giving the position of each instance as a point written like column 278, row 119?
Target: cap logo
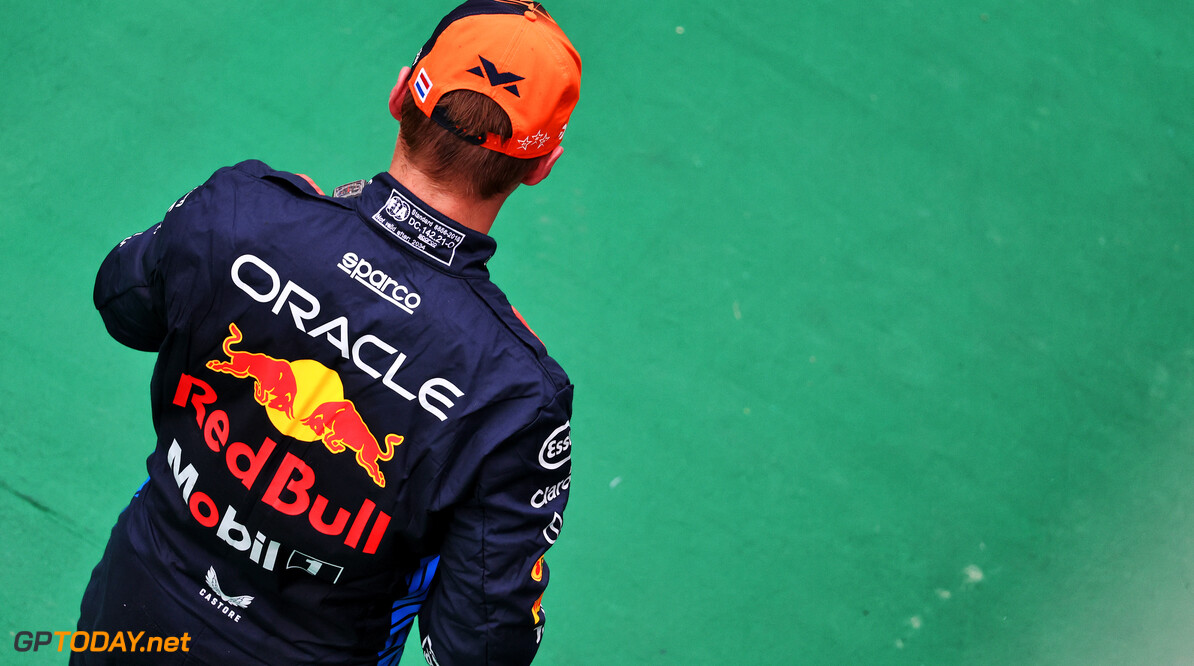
column 490, row 72
column 422, row 85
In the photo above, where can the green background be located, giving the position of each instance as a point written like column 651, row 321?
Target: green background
column 880, row 313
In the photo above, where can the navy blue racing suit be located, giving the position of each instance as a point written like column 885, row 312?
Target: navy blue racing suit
column 353, row 426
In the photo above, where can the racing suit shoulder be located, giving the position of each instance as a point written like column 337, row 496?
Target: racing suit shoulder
column 259, row 179
column 160, row 276
column 516, row 327
column 295, row 182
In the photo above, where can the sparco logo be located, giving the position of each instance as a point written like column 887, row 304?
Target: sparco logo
column 379, row 282
column 557, row 450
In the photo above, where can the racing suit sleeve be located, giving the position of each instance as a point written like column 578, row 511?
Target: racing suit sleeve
column 133, row 286
column 486, row 604
column 129, row 292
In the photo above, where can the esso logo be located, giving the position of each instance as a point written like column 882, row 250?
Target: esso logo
column 557, row 450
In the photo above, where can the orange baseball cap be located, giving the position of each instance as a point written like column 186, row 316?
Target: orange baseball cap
column 512, row 52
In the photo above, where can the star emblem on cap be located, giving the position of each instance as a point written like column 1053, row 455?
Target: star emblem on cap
column 536, row 140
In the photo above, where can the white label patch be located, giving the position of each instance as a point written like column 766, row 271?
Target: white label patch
column 413, row 226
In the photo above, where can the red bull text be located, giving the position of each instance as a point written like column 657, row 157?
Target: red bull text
column 290, row 490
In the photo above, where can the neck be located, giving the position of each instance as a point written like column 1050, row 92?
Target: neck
column 476, row 214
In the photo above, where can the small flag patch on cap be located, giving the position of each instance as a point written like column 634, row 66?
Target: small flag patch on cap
column 422, row 85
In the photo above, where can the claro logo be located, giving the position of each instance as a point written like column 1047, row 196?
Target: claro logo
column 557, row 450
column 544, row 496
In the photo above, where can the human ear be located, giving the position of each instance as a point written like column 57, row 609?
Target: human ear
column 543, row 168
column 398, row 93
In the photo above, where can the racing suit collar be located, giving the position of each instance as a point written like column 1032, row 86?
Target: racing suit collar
column 422, row 230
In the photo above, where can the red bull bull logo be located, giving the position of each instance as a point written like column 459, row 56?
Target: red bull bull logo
column 341, row 426
column 305, row 400
column 274, row 385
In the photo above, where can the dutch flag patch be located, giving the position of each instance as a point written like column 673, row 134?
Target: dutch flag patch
column 422, row 85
